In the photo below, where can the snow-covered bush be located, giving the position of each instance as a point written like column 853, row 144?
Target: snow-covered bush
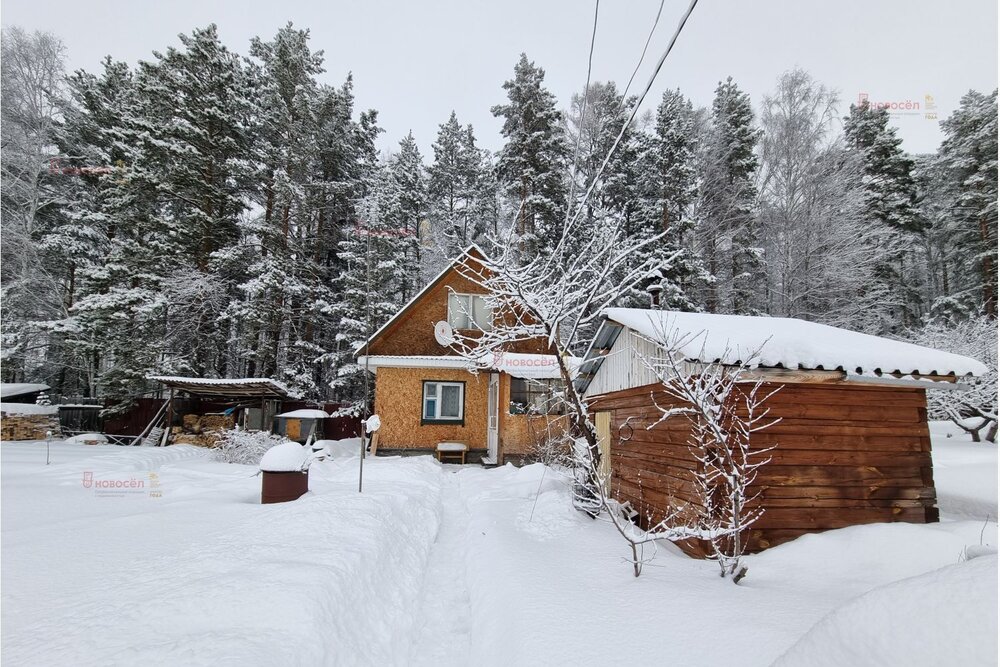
column 976, row 408
column 245, row 447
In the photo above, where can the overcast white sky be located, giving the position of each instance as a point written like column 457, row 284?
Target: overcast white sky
column 416, row 61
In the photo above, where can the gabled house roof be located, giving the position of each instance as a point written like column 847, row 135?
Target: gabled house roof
column 781, row 342
column 473, row 251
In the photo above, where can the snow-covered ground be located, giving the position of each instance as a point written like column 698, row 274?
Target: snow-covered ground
column 450, row 565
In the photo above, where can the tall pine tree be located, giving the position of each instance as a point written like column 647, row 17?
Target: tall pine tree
column 532, row 164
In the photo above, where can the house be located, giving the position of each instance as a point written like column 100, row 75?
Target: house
column 852, row 445
column 427, row 395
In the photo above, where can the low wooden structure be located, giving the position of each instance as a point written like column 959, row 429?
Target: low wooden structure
column 250, row 402
column 851, row 447
column 27, row 422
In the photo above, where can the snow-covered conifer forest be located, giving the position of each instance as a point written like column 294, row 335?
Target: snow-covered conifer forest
column 208, row 211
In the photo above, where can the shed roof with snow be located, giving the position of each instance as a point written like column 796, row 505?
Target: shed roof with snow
column 780, row 342
column 14, row 389
column 230, row 387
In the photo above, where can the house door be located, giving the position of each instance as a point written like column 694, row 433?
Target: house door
column 493, row 419
column 602, row 421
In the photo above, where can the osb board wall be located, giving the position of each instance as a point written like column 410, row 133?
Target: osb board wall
column 844, row 455
column 413, row 333
column 521, row 434
column 28, row 427
column 399, row 404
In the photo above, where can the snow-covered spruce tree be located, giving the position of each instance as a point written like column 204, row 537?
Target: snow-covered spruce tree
column 176, row 203
column 274, row 322
column 974, row 410
column 968, row 157
column 119, row 305
column 407, row 171
column 594, row 120
column 890, row 202
column 723, row 406
column 532, row 164
column 462, row 195
column 728, row 235
column 376, row 251
column 668, row 189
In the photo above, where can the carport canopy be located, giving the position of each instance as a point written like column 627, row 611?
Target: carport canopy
column 227, row 387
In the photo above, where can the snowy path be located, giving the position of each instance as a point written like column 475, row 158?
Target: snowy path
column 443, row 636
column 430, row 565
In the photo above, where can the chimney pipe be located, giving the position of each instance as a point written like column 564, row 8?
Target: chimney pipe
column 654, row 289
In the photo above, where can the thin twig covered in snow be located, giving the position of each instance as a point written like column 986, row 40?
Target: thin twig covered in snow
column 723, row 407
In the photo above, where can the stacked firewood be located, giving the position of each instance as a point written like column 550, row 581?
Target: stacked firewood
column 28, row 427
column 201, row 430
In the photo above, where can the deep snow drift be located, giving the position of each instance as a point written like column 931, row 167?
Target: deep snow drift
column 164, row 556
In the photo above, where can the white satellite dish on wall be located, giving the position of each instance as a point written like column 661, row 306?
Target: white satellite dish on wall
column 443, row 333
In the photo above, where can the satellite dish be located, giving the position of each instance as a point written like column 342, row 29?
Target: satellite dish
column 443, row 333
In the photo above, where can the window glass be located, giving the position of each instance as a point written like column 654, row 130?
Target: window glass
column 430, row 407
column 451, row 401
column 458, row 311
column 482, row 314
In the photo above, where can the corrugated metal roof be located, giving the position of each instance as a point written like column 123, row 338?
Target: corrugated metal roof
column 236, row 387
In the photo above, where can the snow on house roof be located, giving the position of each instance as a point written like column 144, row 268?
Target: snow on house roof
column 789, row 343
column 225, row 386
column 516, row 364
column 305, row 413
column 12, row 389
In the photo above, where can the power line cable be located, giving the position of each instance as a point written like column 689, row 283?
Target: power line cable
column 635, row 110
column 583, row 114
column 642, row 57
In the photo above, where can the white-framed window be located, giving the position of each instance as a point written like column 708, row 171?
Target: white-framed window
column 443, row 401
column 469, row 311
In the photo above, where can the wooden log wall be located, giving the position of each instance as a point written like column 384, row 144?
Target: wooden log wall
column 843, row 455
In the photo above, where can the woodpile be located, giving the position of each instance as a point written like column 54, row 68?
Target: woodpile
column 201, row 430
column 28, row 427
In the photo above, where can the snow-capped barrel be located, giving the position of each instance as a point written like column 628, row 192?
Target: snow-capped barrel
column 284, row 473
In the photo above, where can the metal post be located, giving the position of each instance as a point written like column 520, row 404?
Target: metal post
column 170, row 418
column 48, row 439
column 368, row 336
